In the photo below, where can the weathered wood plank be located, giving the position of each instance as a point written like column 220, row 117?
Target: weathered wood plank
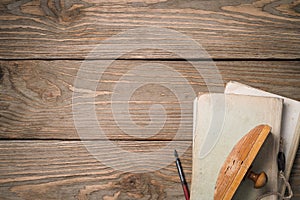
column 66, row 170
column 226, row 29
column 36, row 96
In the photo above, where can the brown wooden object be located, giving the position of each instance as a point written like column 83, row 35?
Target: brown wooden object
column 259, row 179
column 239, row 161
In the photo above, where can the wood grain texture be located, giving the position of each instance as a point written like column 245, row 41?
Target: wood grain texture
column 38, row 157
column 66, row 170
column 226, row 29
column 36, row 96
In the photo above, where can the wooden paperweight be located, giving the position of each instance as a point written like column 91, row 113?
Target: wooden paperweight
column 238, row 163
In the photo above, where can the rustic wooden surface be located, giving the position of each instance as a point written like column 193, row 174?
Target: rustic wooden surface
column 65, row 170
column 65, row 29
column 36, row 97
column 43, row 44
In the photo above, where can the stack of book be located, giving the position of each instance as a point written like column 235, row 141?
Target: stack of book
column 221, row 120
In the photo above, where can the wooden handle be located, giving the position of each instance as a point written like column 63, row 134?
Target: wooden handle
column 259, row 180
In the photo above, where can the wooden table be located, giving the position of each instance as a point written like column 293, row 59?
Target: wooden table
column 43, row 46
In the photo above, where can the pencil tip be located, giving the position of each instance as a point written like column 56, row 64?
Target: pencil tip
column 175, row 154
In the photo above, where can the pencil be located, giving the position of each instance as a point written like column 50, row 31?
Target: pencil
column 181, row 176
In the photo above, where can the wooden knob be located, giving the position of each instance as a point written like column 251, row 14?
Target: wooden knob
column 259, row 180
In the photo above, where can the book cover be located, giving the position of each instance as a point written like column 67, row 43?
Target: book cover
column 290, row 125
column 221, row 120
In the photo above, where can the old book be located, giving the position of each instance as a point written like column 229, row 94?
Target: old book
column 221, row 120
column 290, row 125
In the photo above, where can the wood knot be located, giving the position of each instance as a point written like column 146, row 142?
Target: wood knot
column 131, row 182
column 63, row 11
column 138, row 186
column 297, row 8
